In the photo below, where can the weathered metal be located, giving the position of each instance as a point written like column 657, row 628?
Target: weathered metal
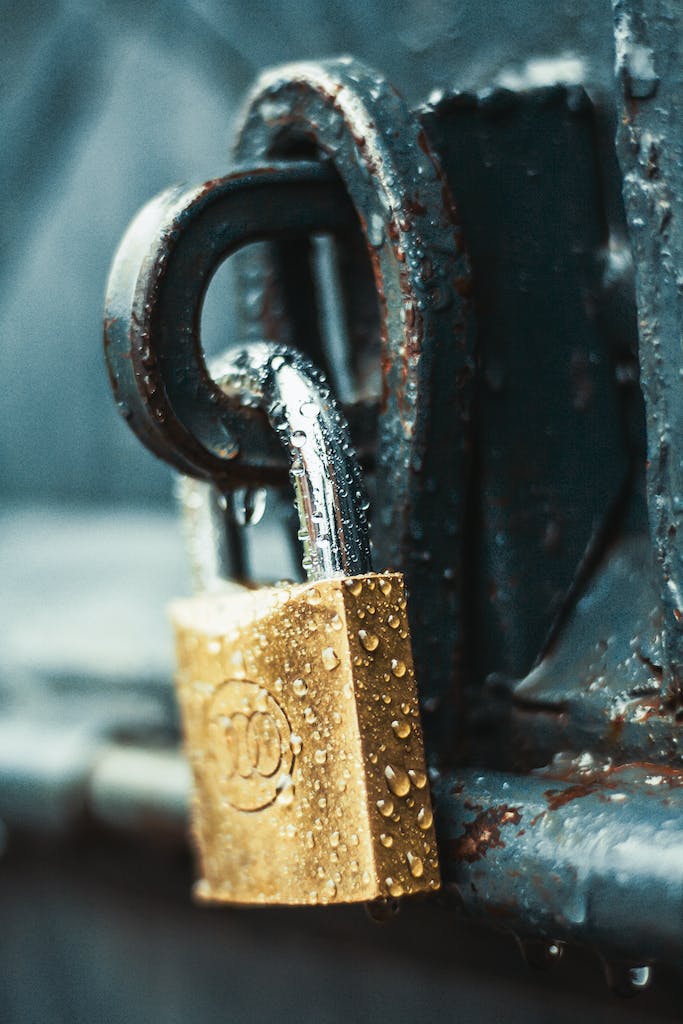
column 152, row 311
column 582, row 851
column 649, row 68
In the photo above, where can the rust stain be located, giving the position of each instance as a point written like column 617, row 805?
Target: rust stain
column 483, row 833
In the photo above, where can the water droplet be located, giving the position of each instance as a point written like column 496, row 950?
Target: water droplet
column 295, row 743
column 369, row 641
column 425, row 818
column 385, row 587
column 310, row 840
column 309, row 410
column 375, row 229
column 406, row 708
column 248, row 505
column 416, row 865
column 401, row 729
column 298, row 438
column 277, row 362
column 330, row 658
column 313, row 596
column 393, row 621
column 354, row 586
column 329, row 889
column 334, row 839
column 394, row 888
column 310, row 715
column 418, row 778
column 398, row 668
column 397, row 780
column 385, row 808
column 300, row 688
column 386, row 839
column 320, row 756
column 336, row 622
column 237, row 664
column 285, row 790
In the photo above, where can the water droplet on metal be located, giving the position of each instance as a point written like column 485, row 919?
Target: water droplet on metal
column 330, row 659
column 369, row 640
column 425, row 818
column 397, row 780
column 401, row 729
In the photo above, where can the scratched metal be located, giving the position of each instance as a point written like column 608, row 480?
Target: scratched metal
column 649, row 52
column 345, row 112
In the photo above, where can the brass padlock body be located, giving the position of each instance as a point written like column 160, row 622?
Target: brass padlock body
column 302, row 729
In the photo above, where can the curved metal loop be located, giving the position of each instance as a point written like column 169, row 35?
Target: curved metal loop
column 153, row 306
column 348, row 113
column 329, row 495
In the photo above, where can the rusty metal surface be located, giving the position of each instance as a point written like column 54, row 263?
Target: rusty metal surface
column 152, row 314
column 583, row 851
column 649, row 52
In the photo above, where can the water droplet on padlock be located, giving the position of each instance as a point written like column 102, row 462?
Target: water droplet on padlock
column 300, row 688
column 310, row 716
column 386, row 839
column 336, row 622
column 394, row 887
column 398, row 668
column 354, row 586
column 418, row 778
column 425, row 818
column 369, row 641
column 330, row 658
column 329, row 889
column 401, row 729
column 320, row 756
column 385, row 808
column 416, row 865
column 295, row 743
column 285, row 790
column 393, row 621
column 385, row 587
column 298, row 438
column 313, row 596
column 397, row 780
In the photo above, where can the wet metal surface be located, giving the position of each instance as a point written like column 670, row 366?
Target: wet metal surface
column 649, row 54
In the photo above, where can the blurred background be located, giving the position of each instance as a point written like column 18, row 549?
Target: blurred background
column 103, row 105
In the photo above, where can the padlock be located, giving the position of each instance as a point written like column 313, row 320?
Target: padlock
column 299, row 704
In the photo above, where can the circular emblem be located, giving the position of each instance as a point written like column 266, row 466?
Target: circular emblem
column 249, row 749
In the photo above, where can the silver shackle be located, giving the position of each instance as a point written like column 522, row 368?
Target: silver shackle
column 328, row 487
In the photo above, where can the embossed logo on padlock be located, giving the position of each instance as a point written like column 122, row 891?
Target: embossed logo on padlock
column 249, row 752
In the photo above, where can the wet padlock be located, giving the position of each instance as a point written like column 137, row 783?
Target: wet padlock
column 299, row 703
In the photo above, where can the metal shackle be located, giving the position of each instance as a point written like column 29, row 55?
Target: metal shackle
column 329, row 494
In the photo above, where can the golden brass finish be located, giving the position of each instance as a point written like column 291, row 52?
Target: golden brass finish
column 302, row 729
